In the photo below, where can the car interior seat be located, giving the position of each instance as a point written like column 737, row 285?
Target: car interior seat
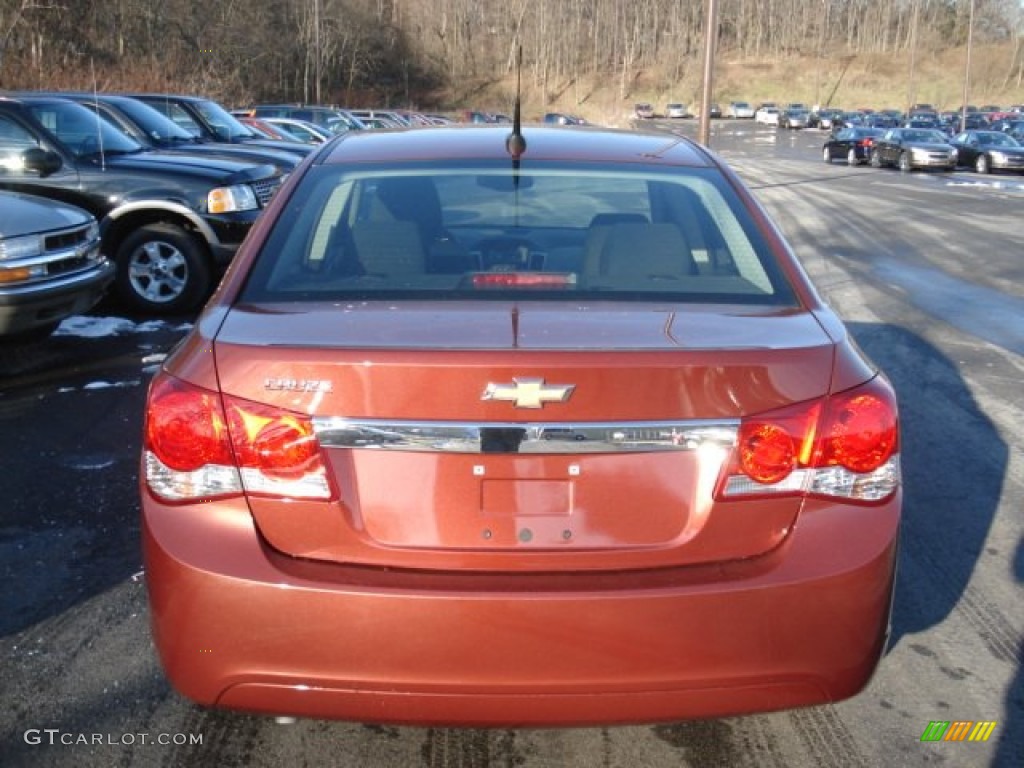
column 638, row 253
column 414, row 200
column 597, row 234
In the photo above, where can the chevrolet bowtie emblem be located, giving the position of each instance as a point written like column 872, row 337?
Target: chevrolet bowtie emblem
column 528, row 393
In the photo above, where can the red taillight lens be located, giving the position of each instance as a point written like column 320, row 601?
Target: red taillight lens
column 273, row 441
column 859, row 430
column 843, row 445
column 197, row 448
column 766, row 452
column 185, row 426
column 771, row 446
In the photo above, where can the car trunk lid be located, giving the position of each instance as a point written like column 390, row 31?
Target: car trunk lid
column 529, row 436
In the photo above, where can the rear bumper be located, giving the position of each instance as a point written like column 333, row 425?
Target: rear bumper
column 239, row 626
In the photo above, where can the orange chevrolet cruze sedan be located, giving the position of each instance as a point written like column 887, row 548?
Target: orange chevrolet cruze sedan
column 540, row 429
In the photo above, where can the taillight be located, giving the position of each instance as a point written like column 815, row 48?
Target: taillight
column 197, row 448
column 859, row 431
column 185, row 426
column 843, row 446
column 277, row 451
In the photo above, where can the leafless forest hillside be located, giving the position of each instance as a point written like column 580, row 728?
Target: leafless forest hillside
column 443, row 53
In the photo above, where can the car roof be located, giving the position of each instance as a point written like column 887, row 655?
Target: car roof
column 171, row 96
column 473, row 142
column 33, row 98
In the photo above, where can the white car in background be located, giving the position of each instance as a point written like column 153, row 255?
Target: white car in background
column 740, row 110
column 767, row 116
column 675, row 110
column 301, row 130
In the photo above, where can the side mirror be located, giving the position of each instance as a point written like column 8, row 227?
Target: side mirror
column 42, row 161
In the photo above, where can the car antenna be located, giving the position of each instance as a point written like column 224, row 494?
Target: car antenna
column 96, row 107
column 516, row 143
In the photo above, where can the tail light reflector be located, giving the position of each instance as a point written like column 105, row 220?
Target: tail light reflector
column 197, row 446
column 845, row 445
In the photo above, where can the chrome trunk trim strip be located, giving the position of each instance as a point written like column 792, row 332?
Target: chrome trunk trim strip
column 531, row 437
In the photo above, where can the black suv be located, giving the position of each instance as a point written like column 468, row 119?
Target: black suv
column 170, row 221
column 209, row 120
column 155, row 130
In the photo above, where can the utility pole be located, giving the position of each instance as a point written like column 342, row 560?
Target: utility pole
column 316, row 46
column 710, row 40
column 821, row 55
column 912, row 90
column 967, row 71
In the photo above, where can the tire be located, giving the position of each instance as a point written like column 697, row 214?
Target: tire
column 162, row 270
column 982, row 164
column 851, row 157
column 826, row 155
column 905, row 165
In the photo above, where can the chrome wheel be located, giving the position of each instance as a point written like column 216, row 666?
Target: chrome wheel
column 158, row 272
column 162, row 269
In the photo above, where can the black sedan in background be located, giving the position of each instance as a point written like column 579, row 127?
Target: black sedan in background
column 987, row 151
column 852, row 144
column 910, row 148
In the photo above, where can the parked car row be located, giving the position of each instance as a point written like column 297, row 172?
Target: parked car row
column 798, row 115
column 675, row 110
column 922, row 148
column 171, row 185
column 311, row 124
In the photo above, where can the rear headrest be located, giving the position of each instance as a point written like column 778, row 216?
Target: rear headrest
column 646, row 250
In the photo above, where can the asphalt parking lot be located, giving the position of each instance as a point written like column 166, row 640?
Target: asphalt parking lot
column 926, row 270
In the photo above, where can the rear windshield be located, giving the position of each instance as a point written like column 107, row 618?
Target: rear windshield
column 546, row 233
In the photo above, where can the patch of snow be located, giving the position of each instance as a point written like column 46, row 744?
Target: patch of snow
column 111, row 384
column 98, row 327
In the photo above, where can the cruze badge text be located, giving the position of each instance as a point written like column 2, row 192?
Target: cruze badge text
column 298, row 385
column 528, row 393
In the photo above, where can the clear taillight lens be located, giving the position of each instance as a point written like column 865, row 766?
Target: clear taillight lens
column 198, row 446
column 844, row 446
